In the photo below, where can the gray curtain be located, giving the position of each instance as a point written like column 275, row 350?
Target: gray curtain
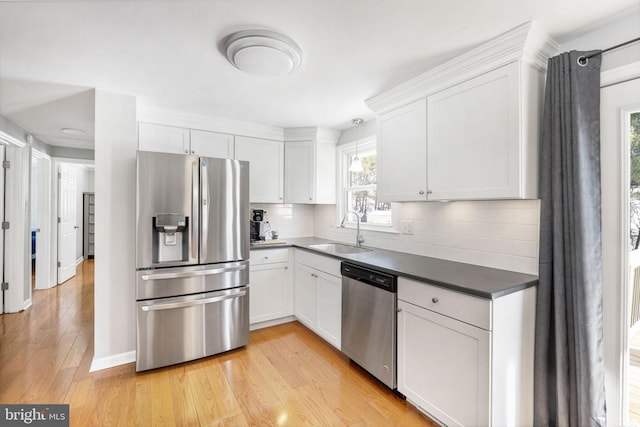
column 569, row 351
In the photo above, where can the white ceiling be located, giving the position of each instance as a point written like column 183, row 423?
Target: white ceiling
column 167, row 53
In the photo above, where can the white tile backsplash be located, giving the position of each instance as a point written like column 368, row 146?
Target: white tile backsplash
column 500, row 234
column 289, row 220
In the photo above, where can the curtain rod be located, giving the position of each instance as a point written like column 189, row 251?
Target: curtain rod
column 584, row 59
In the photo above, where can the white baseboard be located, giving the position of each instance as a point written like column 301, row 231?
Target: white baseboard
column 79, row 260
column 273, row 322
column 110, row 361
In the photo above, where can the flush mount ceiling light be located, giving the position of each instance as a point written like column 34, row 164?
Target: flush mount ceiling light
column 263, row 53
column 72, row 131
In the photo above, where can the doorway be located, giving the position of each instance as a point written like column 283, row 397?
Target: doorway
column 40, row 220
column 620, row 162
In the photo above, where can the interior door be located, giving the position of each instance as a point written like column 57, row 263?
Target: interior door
column 67, row 222
column 42, row 219
column 2, row 234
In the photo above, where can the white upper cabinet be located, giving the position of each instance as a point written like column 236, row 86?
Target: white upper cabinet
column 468, row 129
column 310, row 165
column 172, row 139
column 299, row 172
column 474, row 144
column 266, row 165
column 165, row 139
column 212, row 144
column 402, row 154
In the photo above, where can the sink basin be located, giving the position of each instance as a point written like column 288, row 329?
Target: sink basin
column 339, row 248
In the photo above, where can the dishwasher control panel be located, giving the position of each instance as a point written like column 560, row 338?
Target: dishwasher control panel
column 372, row 277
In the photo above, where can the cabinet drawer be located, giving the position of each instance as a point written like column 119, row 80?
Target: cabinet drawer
column 466, row 308
column 319, row 262
column 269, row 256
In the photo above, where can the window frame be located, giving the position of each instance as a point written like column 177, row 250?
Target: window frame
column 343, row 153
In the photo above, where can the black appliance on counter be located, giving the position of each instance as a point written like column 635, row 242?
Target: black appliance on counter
column 259, row 227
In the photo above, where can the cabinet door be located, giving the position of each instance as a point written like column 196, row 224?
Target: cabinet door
column 305, row 295
column 444, row 366
column 269, row 295
column 267, row 167
column 474, row 139
column 402, row 154
column 299, row 172
column 212, row 144
column 329, row 308
column 164, row 139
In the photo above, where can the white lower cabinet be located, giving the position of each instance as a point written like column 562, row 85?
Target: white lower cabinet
column 269, row 285
column 318, row 296
column 443, row 366
column 465, row 360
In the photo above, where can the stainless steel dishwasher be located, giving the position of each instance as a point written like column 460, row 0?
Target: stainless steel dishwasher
column 369, row 302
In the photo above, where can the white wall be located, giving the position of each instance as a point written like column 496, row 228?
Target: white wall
column 115, row 142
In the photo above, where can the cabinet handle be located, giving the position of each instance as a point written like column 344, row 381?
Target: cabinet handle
column 429, row 191
column 421, row 192
column 310, row 198
column 434, row 300
column 398, row 310
column 266, row 257
column 186, row 151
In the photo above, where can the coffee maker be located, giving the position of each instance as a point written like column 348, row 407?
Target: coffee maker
column 259, row 227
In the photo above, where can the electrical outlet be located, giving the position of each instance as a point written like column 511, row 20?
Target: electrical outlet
column 406, row 226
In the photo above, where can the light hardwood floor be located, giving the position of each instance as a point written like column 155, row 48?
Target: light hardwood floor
column 285, row 376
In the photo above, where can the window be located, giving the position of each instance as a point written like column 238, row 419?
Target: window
column 359, row 190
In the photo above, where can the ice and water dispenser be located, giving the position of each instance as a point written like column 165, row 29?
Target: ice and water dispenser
column 170, row 238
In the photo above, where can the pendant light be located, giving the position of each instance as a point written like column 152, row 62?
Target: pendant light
column 356, row 163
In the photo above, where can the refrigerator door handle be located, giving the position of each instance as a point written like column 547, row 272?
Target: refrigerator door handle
column 195, row 208
column 184, row 274
column 184, row 304
column 204, row 236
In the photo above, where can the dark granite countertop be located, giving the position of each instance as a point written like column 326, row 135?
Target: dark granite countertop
column 471, row 279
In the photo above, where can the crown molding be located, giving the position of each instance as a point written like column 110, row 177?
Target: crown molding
column 526, row 43
column 195, row 122
column 312, row 133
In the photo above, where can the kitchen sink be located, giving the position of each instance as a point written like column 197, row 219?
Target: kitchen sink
column 339, row 248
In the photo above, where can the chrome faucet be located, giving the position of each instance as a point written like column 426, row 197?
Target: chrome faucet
column 359, row 237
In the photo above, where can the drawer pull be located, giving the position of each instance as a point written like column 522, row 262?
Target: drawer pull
column 434, row 300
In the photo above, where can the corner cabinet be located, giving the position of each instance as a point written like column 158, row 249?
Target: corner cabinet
column 309, row 172
column 318, row 295
column 310, row 165
column 402, row 154
column 465, row 360
column 266, row 158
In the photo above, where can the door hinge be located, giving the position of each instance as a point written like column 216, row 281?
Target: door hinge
column 6, row 164
column 5, row 286
column 59, row 175
column 58, row 220
column 5, row 225
column 59, row 265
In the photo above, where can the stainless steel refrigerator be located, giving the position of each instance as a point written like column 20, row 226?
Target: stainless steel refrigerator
column 192, row 257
